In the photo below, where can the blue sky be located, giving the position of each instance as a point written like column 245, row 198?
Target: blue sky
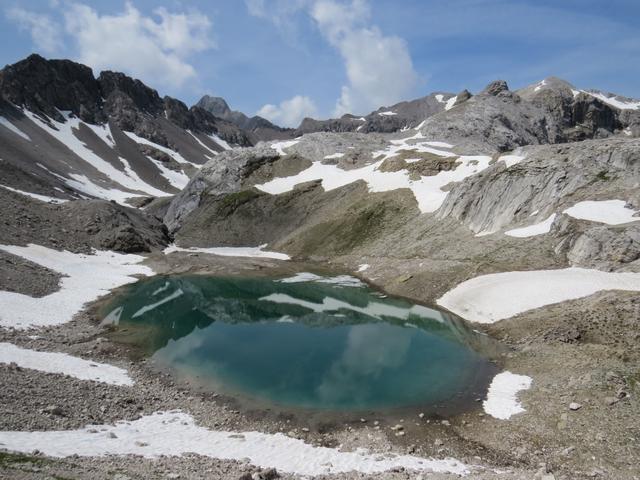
column 291, row 58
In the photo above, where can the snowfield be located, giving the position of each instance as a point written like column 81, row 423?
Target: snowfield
column 64, row 364
column 87, row 277
column 253, row 252
column 611, row 212
column 175, row 433
column 494, row 297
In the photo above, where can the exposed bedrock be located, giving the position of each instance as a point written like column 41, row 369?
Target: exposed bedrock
column 550, row 178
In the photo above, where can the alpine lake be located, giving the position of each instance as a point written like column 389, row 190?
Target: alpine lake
column 304, row 342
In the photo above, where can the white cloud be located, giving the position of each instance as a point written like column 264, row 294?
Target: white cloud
column 290, row 112
column 379, row 67
column 153, row 49
column 44, row 32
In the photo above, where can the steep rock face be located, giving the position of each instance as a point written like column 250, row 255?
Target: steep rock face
column 222, row 176
column 143, row 98
column 542, row 183
column 592, row 245
column 46, row 86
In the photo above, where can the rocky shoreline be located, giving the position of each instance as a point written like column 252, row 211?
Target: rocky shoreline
column 549, row 437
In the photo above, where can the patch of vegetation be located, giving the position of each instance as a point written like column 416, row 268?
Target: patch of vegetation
column 8, row 459
column 231, row 202
column 355, row 227
column 602, row 176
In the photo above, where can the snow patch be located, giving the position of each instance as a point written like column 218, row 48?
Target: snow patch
column 427, row 190
column 363, row 267
column 341, row 280
column 502, row 399
column 175, row 433
column 87, row 277
column 254, row 252
column 334, row 155
column 540, row 85
column 280, row 146
column 614, row 101
column 533, row 230
column 388, row 113
column 493, row 297
column 511, row 159
column 611, row 212
column 64, row 364
column 451, row 103
column 172, row 153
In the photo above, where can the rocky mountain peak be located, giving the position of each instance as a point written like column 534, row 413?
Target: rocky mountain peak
column 495, row 88
column 218, row 106
column 50, row 86
column 143, row 97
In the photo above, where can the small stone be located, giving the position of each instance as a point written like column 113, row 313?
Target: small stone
column 611, row 400
column 575, row 406
column 421, row 415
column 401, row 433
column 305, row 429
column 138, row 443
column 438, row 443
column 111, row 435
column 397, row 427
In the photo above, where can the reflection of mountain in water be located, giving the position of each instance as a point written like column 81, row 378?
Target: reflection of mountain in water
column 170, row 308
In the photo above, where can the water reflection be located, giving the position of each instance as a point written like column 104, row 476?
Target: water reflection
column 306, row 343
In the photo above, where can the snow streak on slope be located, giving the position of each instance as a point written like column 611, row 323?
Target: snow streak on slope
column 37, row 196
column 88, row 277
column 65, row 134
column 64, row 364
column 172, row 153
column 175, row 433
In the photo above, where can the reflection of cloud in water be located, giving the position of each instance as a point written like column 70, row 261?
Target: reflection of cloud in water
column 373, row 309
column 369, row 350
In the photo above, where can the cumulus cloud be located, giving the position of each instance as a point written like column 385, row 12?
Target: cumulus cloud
column 44, row 31
column 290, row 112
column 153, row 49
column 378, row 67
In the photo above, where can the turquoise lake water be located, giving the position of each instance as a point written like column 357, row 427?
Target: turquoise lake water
column 310, row 342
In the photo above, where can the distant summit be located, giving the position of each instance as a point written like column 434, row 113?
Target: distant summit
column 257, row 127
